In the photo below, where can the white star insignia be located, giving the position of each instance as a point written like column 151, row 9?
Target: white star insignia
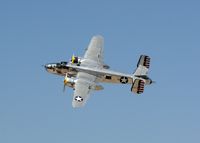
column 124, row 80
column 78, row 98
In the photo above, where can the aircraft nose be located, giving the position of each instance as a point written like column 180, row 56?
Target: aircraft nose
column 47, row 66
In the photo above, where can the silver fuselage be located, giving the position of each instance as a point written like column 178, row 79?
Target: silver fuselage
column 67, row 68
column 71, row 70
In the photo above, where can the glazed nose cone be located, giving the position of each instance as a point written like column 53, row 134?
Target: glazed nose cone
column 47, row 66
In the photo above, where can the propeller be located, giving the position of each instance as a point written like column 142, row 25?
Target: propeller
column 64, row 88
column 68, row 81
column 73, row 58
column 64, row 85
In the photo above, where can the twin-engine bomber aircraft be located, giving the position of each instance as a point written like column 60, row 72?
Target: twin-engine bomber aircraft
column 85, row 74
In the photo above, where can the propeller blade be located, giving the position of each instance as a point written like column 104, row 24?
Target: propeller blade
column 64, row 87
column 73, row 58
column 64, row 84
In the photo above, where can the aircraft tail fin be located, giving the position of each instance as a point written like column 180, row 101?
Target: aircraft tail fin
column 140, row 78
column 143, row 65
column 138, row 86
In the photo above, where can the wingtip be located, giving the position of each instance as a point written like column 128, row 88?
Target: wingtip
column 98, row 37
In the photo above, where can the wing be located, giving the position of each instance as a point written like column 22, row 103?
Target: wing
column 84, row 84
column 94, row 51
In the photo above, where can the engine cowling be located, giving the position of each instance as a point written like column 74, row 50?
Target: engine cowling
column 75, row 60
column 69, row 82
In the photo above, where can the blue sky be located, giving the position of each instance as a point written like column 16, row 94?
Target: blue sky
column 33, row 107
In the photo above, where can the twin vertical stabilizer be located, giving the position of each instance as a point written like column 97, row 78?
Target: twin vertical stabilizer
column 140, row 78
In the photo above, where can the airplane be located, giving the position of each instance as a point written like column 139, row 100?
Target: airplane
column 84, row 74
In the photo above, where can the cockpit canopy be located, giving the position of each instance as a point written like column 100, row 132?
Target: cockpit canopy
column 63, row 63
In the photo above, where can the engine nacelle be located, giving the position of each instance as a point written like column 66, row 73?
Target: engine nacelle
column 69, row 82
column 75, row 60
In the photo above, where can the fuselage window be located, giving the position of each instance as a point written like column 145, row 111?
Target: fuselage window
column 108, row 77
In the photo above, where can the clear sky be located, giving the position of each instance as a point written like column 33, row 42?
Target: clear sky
column 33, row 107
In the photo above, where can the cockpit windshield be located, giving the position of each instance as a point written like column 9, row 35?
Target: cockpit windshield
column 58, row 65
column 63, row 63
